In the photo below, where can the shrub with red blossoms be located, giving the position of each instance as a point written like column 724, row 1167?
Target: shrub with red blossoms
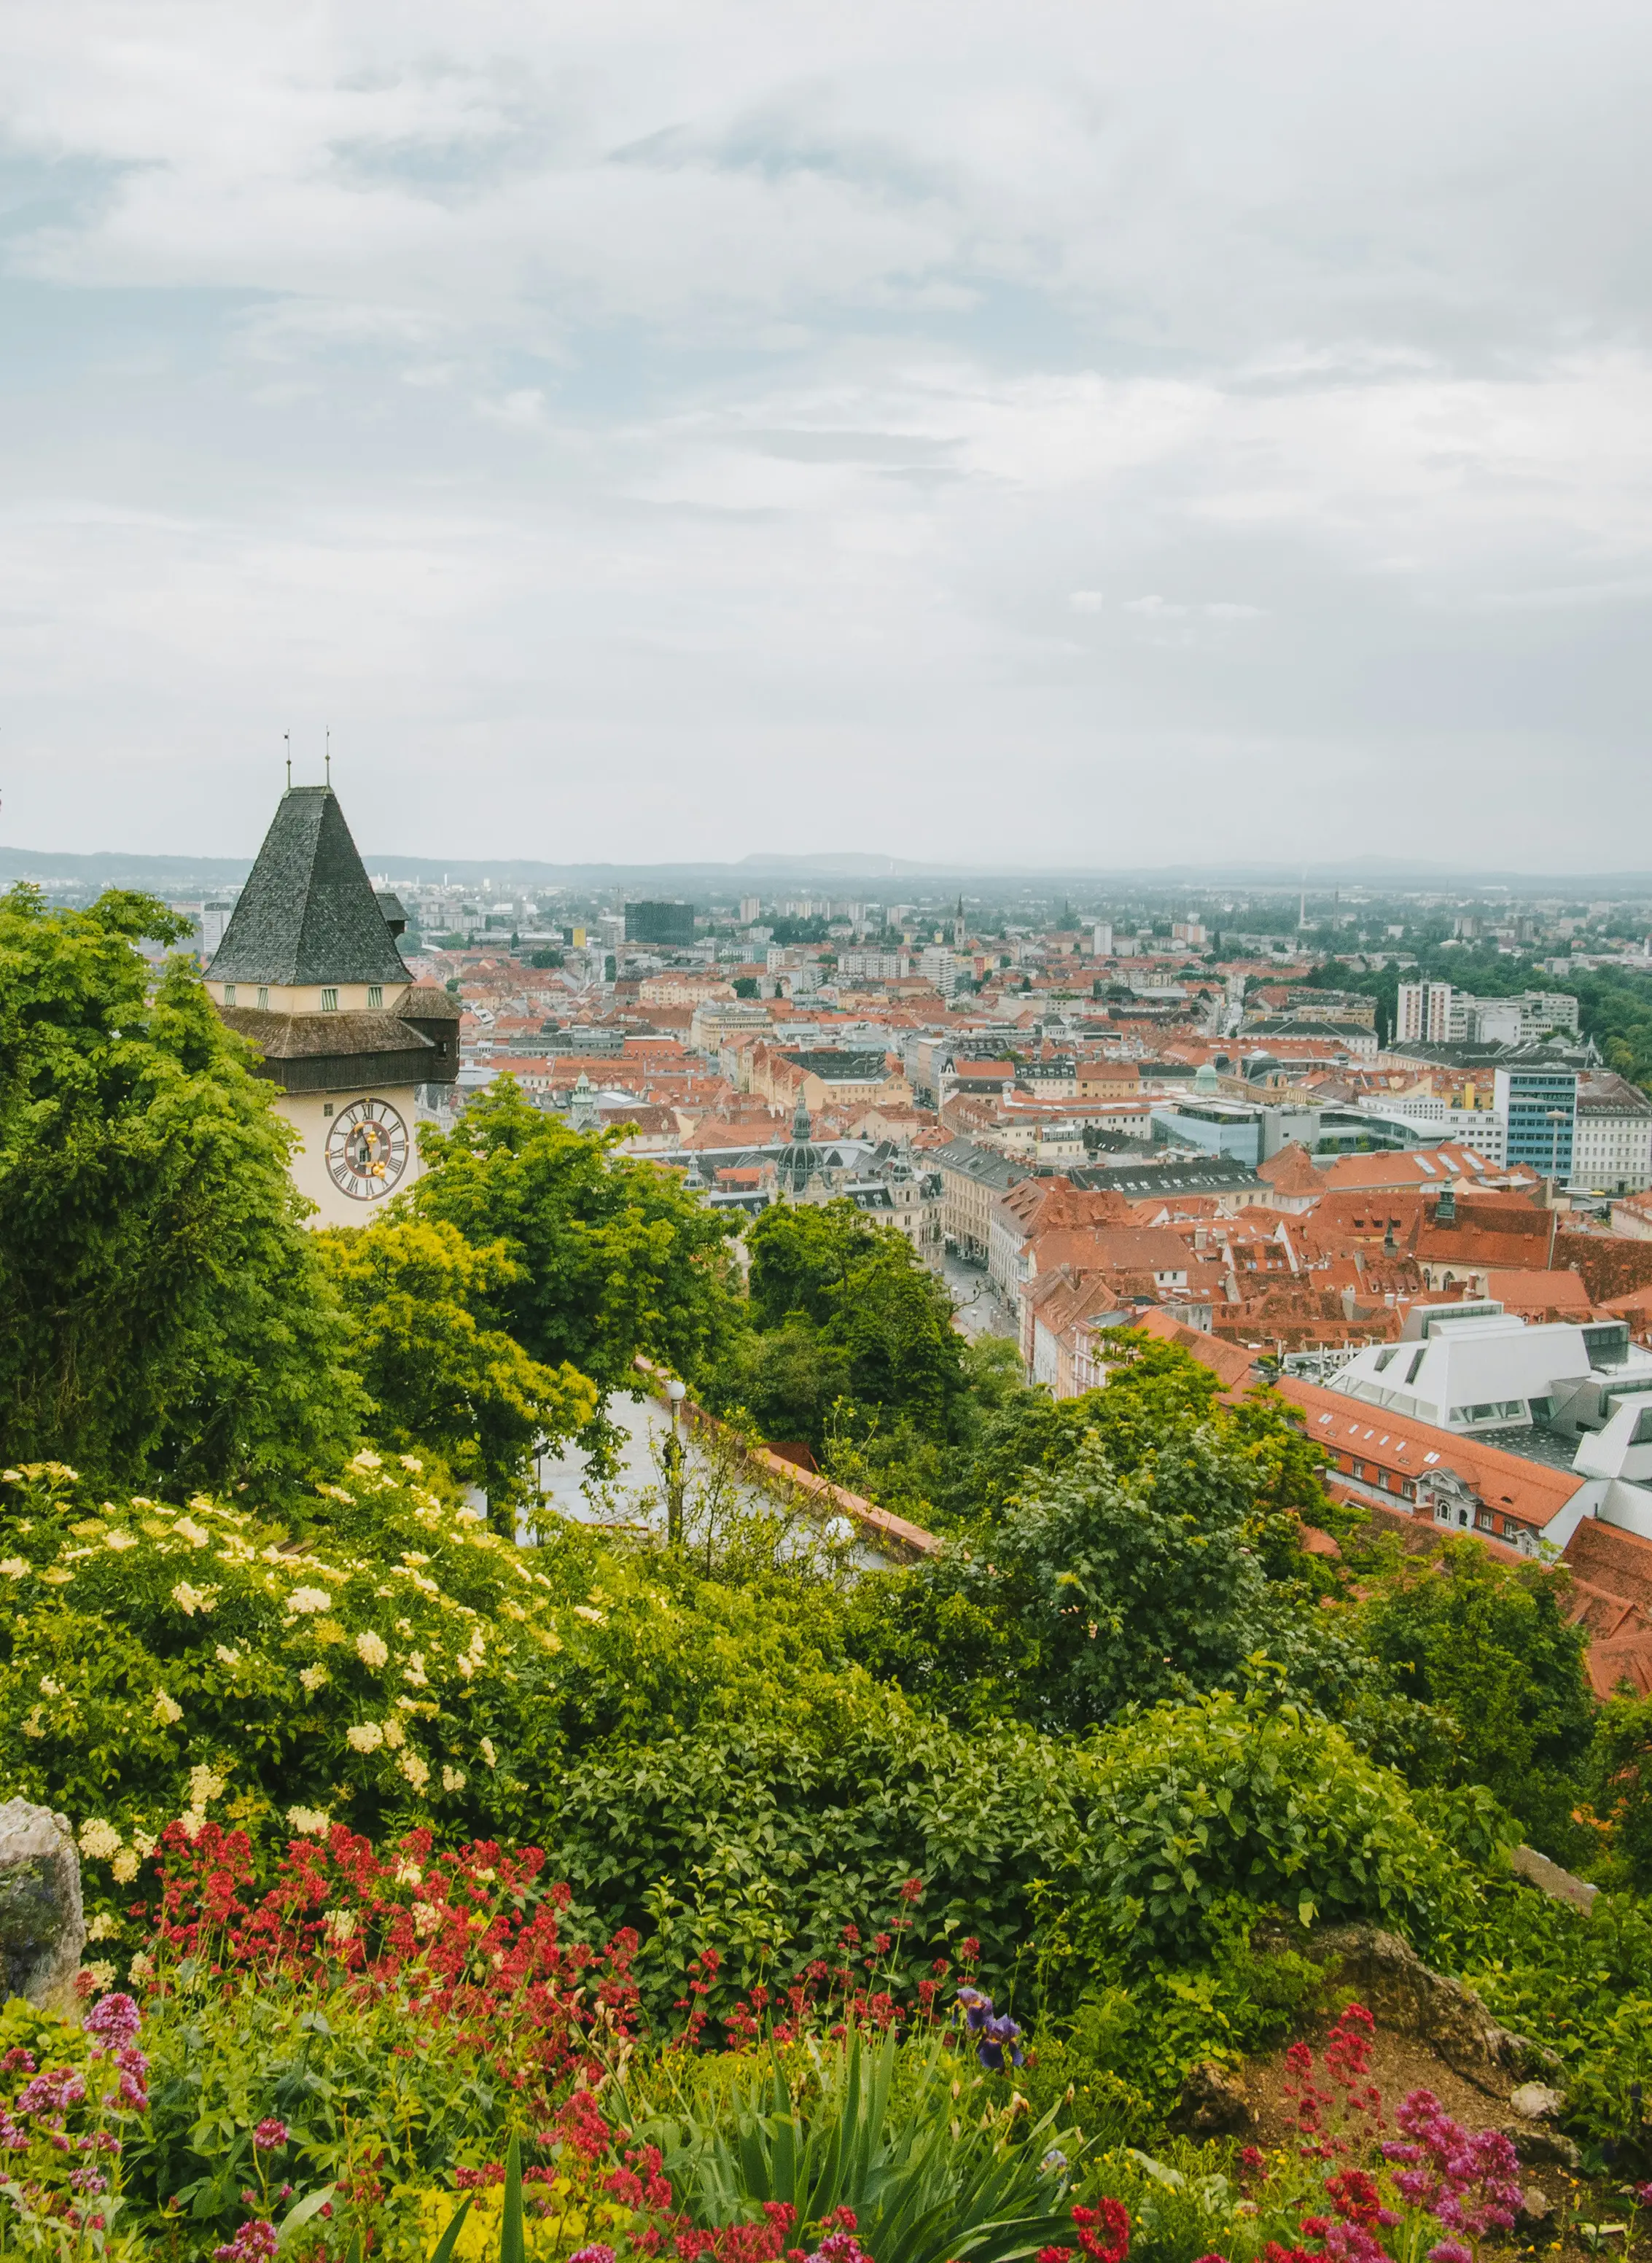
column 1103, row 2234
column 469, row 1940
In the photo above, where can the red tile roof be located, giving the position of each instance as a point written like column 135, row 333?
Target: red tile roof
column 1411, row 1168
column 1550, row 1295
column 1510, row 1486
column 1292, row 1172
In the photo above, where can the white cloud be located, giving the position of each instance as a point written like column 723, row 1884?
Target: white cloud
column 654, row 421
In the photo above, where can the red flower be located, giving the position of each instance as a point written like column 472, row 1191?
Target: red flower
column 1111, row 2244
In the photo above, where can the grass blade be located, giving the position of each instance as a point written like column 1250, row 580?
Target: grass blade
column 449, row 2240
column 513, row 2242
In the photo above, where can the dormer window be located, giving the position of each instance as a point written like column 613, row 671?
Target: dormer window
column 330, row 1001
column 375, row 995
column 229, row 993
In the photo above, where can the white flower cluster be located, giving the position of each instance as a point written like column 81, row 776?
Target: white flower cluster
column 307, row 1599
column 309, row 1822
column 364, row 1737
column 372, row 1650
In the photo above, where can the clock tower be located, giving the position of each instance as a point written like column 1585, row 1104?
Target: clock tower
column 309, row 971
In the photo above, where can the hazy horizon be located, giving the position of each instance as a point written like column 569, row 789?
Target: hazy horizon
column 1175, row 435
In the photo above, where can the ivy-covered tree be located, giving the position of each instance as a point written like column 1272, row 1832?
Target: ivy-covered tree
column 162, row 1311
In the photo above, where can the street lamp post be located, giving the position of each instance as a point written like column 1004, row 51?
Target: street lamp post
column 676, row 1392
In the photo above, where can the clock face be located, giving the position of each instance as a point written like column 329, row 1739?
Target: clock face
column 367, row 1149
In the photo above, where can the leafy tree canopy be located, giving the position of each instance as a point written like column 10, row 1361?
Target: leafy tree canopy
column 845, row 1311
column 1489, row 1644
column 421, row 1303
column 612, row 1257
column 161, row 1305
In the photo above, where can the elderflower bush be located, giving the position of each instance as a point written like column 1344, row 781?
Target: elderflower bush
column 167, row 1663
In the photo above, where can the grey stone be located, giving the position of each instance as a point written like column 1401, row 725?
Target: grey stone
column 1213, row 2102
column 1536, row 2209
column 1536, row 2102
column 43, row 1928
column 1548, row 1878
column 1535, row 2142
column 1400, row 1991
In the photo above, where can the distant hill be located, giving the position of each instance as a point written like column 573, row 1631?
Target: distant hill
column 182, row 874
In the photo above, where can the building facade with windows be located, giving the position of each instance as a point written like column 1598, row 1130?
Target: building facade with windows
column 1612, row 1153
column 1538, row 1102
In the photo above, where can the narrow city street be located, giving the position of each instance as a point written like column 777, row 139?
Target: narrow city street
column 979, row 1312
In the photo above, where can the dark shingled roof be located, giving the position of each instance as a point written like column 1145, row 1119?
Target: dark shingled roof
column 308, row 914
column 292, row 1036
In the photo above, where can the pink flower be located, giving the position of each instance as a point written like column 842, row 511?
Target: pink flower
column 270, row 2133
column 112, row 2020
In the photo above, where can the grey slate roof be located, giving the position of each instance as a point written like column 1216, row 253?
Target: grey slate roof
column 1217, row 1174
column 308, row 914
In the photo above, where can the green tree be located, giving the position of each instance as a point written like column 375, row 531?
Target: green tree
column 1489, row 1644
column 614, row 1257
column 884, row 1321
column 787, row 1380
column 161, row 1307
column 1133, row 1589
column 1619, row 1778
column 420, row 1302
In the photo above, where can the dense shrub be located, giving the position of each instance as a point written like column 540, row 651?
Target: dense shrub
column 1190, row 1804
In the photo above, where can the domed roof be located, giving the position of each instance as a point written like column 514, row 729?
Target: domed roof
column 799, row 1159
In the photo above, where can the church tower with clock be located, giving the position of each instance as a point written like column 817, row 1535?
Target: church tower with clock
column 308, row 970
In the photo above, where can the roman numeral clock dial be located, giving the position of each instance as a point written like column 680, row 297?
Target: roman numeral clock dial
column 367, row 1149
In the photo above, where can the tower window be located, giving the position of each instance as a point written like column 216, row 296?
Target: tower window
column 375, row 994
column 263, row 997
column 330, row 1001
column 229, row 993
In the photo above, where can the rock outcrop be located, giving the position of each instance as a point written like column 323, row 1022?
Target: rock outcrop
column 42, row 1929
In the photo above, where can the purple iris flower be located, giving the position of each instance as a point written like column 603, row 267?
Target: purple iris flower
column 998, row 2036
column 977, row 2009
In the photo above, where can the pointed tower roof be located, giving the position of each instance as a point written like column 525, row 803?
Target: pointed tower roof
column 308, row 914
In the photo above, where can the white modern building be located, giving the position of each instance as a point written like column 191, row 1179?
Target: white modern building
column 1558, row 1392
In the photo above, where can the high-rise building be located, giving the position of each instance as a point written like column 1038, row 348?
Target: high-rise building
column 309, row 971
column 1423, row 1014
column 660, row 923
column 214, row 920
column 751, row 910
column 1538, row 1102
column 1101, row 939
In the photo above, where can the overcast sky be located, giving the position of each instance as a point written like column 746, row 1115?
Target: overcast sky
column 977, row 430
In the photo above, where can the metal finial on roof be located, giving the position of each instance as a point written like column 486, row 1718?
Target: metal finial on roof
column 327, row 758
